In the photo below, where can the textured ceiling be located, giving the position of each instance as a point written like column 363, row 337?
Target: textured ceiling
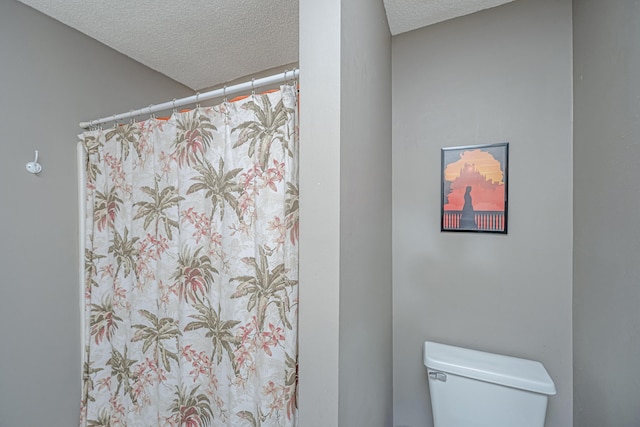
column 205, row 43
column 199, row 43
column 407, row 15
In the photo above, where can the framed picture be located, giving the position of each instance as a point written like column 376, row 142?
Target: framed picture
column 474, row 188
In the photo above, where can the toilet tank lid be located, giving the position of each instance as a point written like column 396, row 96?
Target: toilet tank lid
column 489, row 367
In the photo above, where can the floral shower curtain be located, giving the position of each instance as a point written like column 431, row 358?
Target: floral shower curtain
column 191, row 268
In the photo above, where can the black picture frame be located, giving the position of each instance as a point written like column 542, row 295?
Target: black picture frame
column 474, row 188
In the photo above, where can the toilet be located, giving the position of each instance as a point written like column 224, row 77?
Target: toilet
column 471, row 388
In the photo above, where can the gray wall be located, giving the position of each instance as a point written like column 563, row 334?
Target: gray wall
column 365, row 217
column 319, row 256
column 345, row 214
column 503, row 74
column 51, row 78
column 606, row 310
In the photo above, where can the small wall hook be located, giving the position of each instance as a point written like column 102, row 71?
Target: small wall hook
column 34, row 167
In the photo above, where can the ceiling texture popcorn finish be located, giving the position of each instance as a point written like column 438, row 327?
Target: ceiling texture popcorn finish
column 407, row 15
column 206, row 43
column 199, row 43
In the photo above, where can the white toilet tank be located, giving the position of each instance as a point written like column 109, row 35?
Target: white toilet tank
column 472, row 388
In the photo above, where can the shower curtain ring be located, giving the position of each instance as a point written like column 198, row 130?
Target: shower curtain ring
column 175, row 110
column 253, row 88
column 286, row 81
column 197, row 100
column 224, row 94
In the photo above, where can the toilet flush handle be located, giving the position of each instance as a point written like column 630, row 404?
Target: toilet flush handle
column 440, row 376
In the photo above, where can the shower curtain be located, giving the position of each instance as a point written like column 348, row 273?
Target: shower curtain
column 190, row 297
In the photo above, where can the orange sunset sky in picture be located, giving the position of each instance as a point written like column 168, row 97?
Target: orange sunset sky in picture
column 482, row 172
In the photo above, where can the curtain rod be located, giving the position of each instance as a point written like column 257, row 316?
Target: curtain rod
column 241, row 87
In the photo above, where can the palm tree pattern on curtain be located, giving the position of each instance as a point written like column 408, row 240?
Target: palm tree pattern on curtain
column 191, row 268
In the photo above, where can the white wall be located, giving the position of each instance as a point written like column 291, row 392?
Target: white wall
column 606, row 205
column 503, row 74
column 345, row 217
column 51, row 78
